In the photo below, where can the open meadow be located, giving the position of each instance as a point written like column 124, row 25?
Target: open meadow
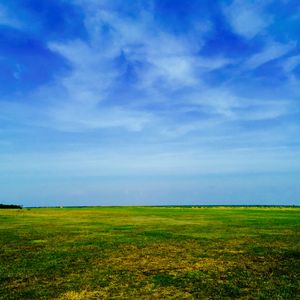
column 150, row 253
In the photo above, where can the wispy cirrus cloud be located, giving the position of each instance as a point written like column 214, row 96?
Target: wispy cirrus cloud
column 271, row 51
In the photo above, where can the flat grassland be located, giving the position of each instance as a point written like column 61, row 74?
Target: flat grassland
column 150, row 253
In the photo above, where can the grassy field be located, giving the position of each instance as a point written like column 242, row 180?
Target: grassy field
column 150, row 253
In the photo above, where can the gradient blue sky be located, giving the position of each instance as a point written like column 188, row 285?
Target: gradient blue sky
column 149, row 102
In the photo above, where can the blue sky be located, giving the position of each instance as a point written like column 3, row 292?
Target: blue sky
column 149, row 102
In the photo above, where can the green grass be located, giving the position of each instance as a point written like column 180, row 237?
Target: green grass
column 150, row 253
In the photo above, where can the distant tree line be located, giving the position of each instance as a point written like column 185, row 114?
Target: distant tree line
column 7, row 206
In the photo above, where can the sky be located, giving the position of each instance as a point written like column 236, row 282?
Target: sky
column 150, row 102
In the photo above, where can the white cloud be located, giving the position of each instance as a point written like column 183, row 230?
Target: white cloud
column 247, row 18
column 291, row 63
column 220, row 106
column 271, row 51
column 82, row 100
